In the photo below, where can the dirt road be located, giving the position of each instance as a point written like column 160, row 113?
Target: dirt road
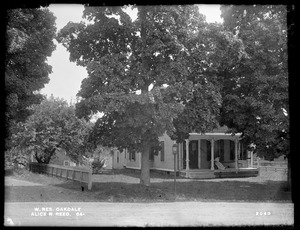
column 148, row 214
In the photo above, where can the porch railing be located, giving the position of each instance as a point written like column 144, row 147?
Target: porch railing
column 83, row 175
column 277, row 166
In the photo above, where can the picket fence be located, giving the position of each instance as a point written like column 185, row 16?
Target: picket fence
column 83, row 175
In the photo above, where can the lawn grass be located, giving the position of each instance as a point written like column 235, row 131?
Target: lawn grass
column 123, row 186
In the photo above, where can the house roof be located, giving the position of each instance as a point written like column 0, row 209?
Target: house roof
column 219, row 131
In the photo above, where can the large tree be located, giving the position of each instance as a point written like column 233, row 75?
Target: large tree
column 255, row 91
column 29, row 41
column 52, row 126
column 146, row 75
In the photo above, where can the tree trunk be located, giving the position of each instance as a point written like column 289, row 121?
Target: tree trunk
column 145, row 167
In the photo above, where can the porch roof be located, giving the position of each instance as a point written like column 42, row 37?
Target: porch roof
column 221, row 131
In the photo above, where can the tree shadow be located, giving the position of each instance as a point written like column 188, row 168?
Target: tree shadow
column 135, row 173
column 128, row 190
column 204, row 190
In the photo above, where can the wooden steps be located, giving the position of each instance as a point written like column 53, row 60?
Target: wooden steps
column 208, row 174
column 199, row 174
column 236, row 174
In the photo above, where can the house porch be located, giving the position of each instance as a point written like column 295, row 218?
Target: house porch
column 198, row 154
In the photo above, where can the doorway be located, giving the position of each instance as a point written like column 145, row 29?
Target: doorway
column 193, row 154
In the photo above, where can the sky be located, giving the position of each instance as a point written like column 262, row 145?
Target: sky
column 66, row 76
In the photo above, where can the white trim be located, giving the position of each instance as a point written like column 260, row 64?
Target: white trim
column 212, row 152
column 236, row 145
column 140, row 161
column 132, row 167
column 216, row 134
column 161, row 169
column 151, row 168
column 187, row 153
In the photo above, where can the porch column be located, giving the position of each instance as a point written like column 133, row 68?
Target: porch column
column 179, row 157
column 251, row 159
column 236, row 152
column 199, row 154
column 187, row 168
column 140, row 161
column 212, row 167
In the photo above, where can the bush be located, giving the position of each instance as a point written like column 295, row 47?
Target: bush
column 97, row 165
column 9, row 171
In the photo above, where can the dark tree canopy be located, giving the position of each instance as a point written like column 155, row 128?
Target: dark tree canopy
column 255, row 91
column 29, row 41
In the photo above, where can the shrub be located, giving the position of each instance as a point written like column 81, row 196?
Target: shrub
column 97, row 165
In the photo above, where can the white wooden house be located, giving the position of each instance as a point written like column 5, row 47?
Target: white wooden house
column 195, row 156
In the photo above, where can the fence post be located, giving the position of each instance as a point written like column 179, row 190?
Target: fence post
column 90, row 183
column 73, row 174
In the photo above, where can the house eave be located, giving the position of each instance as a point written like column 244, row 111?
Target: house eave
column 216, row 134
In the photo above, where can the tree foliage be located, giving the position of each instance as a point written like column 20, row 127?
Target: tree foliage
column 146, row 75
column 255, row 91
column 52, row 126
column 29, row 41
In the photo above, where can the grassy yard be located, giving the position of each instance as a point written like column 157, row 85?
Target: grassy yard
column 123, row 186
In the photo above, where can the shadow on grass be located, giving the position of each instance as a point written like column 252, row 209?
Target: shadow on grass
column 186, row 191
column 136, row 173
column 163, row 191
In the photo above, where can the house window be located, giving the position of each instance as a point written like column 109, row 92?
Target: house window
column 153, row 151
column 162, row 151
column 156, row 150
column 118, row 156
column 132, row 156
column 66, row 163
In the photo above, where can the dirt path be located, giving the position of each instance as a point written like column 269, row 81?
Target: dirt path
column 149, row 214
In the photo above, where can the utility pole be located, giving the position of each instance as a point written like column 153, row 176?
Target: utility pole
column 175, row 152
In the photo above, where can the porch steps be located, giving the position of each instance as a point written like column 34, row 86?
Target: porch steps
column 229, row 173
column 198, row 174
column 239, row 173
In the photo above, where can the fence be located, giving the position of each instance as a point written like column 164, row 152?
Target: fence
column 277, row 166
column 82, row 175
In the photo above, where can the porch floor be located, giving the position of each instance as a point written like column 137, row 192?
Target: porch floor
column 217, row 173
